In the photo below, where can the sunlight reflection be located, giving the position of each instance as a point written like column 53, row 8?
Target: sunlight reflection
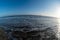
column 58, row 34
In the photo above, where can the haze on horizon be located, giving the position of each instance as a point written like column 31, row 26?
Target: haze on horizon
column 30, row 7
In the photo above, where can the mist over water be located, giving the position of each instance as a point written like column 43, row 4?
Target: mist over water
column 46, row 25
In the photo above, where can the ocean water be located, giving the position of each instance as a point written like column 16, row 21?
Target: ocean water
column 32, row 23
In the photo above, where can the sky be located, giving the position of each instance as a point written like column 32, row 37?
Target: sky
column 30, row 7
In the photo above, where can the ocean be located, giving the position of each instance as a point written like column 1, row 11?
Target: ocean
column 27, row 23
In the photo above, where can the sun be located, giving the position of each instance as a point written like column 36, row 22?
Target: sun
column 57, row 12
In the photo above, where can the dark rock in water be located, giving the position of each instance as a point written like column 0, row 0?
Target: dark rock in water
column 29, row 27
column 3, row 35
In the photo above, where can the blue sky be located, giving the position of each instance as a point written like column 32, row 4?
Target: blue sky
column 32, row 7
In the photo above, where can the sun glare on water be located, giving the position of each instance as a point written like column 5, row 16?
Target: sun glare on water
column 58, row 34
